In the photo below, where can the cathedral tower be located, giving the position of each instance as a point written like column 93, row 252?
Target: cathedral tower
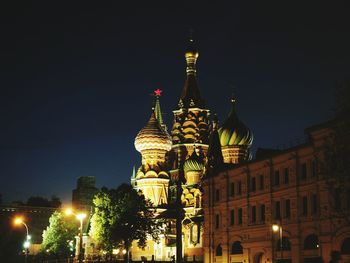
column 153, row 142
column 191, row 119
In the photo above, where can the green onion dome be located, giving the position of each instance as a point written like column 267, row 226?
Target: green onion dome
column 233, row 132
column 194, row 163
column 153, row 137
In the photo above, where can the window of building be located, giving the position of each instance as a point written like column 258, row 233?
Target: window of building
column 253, row 211
column 261, row 182
column 277, row 177
column 236, row 248
column 285, row 244
column 314, row 204
column 287, row 208
column 286, row 175
column 337, row 199
column 262, row 213
column 232, row 217
column 239, row 190
column 345, row 247
column 303, row 171
column 311, row 242
column 277, row 210
column 217, row 195
column 252, row 184
column 232, row 189
column 240, row 216
column 217, row 221
column 305, row 206
column 314, row 168
column 218, row 250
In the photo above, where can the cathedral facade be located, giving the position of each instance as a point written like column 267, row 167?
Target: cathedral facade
column 175, row 162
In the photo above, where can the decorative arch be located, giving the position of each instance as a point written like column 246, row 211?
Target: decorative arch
column 236, row 248
column 218, row 250
column 311, row 242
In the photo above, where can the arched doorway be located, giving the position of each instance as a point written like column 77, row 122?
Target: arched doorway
column 258, row 258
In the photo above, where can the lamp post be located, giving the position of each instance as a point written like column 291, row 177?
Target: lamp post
column 20, row 221
column 278, row 228
column 80, row 217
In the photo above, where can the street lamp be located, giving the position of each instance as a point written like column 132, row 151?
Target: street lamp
column 26, row 244
column 278, row 228
column 80, row 217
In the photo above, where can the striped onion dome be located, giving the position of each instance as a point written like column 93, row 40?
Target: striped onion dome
column 233, row 132
column 153, row 136
column 194, row 163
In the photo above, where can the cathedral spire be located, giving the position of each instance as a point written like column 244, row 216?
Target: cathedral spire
column 190, row 96
column 157, row 110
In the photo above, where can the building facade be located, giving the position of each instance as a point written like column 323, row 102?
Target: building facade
column 289, row 189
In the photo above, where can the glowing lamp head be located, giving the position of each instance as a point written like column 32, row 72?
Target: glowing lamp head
column 26, row 244
column 81, row 216
column 18, row 221
column 68, row 211
column 124, row 251
column 275, row 228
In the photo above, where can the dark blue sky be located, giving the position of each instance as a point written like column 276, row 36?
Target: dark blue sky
column 76, row 79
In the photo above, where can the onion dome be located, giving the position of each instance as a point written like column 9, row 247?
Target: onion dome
column 153, row 136
column 233, row 132
column 194, row 163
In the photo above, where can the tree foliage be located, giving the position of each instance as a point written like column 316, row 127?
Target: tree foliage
column 121, row 216
column 59, row 233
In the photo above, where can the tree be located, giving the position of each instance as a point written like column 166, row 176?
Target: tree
column 121, row 216
column 59, row 234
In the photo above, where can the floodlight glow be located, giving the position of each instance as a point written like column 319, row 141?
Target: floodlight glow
column 26, row 244
column 81, row 216
column 18, row 220
column 68, row 211
column 275, row 227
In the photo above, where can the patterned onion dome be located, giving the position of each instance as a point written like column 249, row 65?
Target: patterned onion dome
column 194, row 163
column 233, row 132
column 153, row 136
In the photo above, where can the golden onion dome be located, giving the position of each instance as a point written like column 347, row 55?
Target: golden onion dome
column 233, row 132
column 153, row 137
column 194, row 163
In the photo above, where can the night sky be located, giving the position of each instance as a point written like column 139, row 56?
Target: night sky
column 76, row 79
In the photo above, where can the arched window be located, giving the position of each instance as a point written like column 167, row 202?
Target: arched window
column 345, row 247
column 236, row 248
column 285, row 244
column 311, row 242
column 218, row 251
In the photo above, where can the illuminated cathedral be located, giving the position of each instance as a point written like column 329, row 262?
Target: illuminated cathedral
column 175, row 161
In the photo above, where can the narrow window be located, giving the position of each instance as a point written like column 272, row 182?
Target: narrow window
column 217, row 195
column 314, row 204
column 232, row 217
column 303, row 171
column 253, row 214
column 277, row 210
column 217, row 221
column 287, row 208
column 277, row 177
column 286, row 175
column 232, row 189
column 252, row 184
column 305, row 206
column 239, row 187
column 314, row 168
column 262, row 213
column 240, row 216
column 261, row 181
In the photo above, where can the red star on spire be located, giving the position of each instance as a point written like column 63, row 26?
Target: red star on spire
column 158, row 92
